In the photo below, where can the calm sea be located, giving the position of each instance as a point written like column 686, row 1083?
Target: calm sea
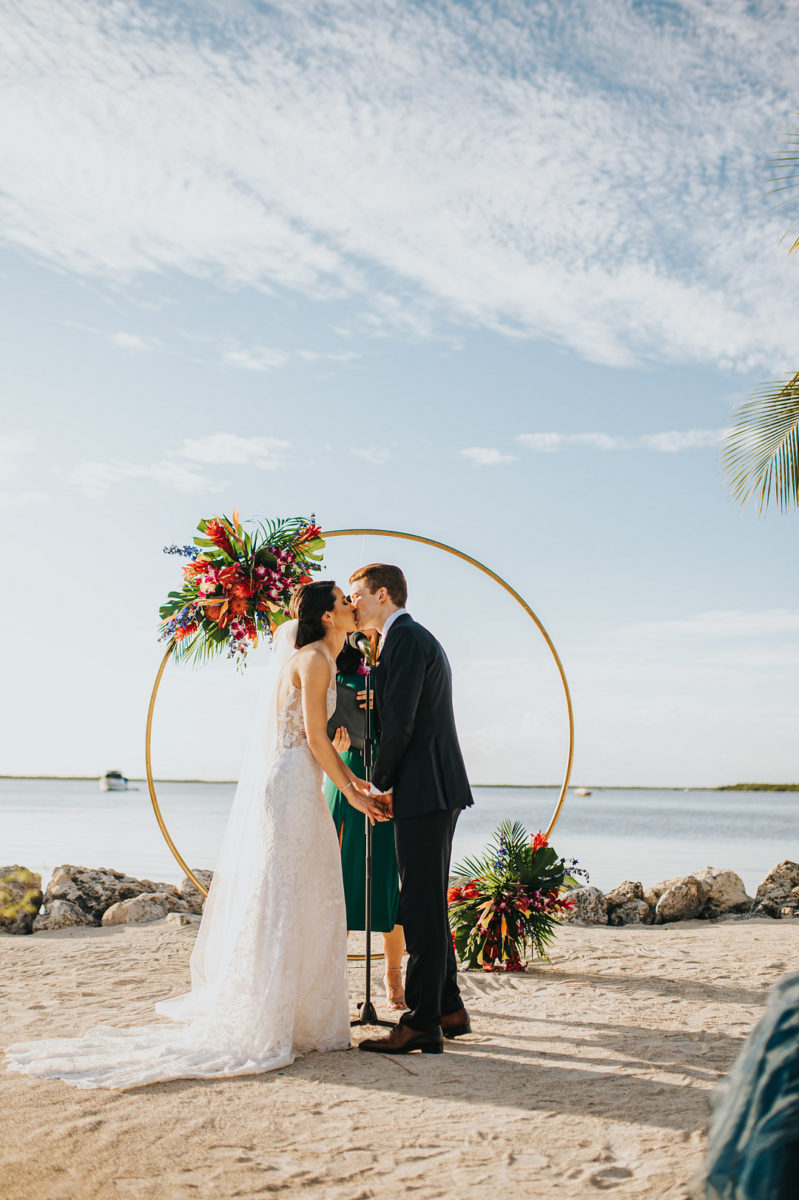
column 615, row 833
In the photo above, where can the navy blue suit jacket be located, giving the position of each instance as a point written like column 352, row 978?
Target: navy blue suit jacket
column 419, row 756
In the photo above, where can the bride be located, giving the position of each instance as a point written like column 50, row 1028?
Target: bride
column 269, row 967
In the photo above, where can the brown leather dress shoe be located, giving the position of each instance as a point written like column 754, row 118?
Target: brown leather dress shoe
column 456, row 1023
column 403, row 1039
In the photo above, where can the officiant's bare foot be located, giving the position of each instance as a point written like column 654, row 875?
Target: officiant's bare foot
column 403, row 1040
column 395, row 993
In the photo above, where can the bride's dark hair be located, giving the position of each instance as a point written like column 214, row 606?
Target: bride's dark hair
column 308, row 602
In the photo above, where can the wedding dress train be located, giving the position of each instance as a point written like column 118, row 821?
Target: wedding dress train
column 269, row 967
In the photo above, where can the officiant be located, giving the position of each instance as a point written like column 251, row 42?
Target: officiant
column 349, row 824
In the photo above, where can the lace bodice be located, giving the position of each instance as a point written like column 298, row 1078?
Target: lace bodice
column 290, row 723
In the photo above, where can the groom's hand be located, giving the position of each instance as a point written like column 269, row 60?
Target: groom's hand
column 368, row 803
column 387, row 800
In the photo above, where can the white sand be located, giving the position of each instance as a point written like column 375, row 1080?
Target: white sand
column 589, row 1075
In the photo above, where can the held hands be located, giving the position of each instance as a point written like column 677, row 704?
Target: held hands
column 360, row 797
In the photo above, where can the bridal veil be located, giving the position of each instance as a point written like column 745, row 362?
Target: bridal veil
column 268, row 970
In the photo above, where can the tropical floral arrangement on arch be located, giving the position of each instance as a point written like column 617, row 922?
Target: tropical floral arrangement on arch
column 509, row 898
column 237, row 583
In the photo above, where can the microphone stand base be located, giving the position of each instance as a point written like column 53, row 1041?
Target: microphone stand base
column 368, row 1016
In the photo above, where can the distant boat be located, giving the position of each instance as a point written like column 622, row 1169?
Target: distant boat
column 113, row 781
column 582, row 791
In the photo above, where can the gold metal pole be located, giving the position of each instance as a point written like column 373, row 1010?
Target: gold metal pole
column 151, row 783
column 414, row 537
column 408, row 537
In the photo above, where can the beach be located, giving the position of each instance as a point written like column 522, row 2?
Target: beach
column 591, row 1073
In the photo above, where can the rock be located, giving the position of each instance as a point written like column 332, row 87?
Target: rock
column 623, row 893
column 652, row 894
column 683, row 901
column 590, row 906
column 20, row 899
column 149, row 906
column 727, row 893
column 631, row 912
column 60, row 914
column 777, row 889
column 189, row 892
column 96, row 890
column 181, row 918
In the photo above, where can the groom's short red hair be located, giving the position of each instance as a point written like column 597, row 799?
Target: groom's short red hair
column 379, row 575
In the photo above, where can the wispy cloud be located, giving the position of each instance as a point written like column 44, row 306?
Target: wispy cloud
column 132, row 342
column 734, row 623
column 10, row 500
column 669, row 442
column 15, row 449
column 94, row 479
column 176, row 471
column 231, row 448
column 589, row 173
column 255, row 358
column 377, row 455
column 486, row 456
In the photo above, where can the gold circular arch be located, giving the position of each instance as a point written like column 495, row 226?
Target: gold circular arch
column 408, row 537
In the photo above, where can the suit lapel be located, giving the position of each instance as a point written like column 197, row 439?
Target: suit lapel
column 403, row 620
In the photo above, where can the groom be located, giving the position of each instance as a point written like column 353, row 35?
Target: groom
column 420, row 771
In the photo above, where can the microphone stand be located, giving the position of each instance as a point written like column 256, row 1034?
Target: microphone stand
column 366, row 1010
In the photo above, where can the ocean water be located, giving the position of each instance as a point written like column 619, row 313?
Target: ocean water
column 616, row 834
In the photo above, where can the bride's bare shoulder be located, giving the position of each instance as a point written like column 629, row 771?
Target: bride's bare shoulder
column 313, row 664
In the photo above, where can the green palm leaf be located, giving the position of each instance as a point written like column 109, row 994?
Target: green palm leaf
column 788, row 163
column 761, row 447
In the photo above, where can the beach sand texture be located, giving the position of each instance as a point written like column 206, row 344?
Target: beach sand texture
column 590, row 1075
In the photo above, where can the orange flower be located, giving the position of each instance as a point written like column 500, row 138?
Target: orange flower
column 195, row 568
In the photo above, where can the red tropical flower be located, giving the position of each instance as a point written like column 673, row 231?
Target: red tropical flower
column 220, row 536
column 308, row 534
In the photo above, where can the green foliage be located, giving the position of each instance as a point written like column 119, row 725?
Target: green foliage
column 507, row 898
column 761, row 447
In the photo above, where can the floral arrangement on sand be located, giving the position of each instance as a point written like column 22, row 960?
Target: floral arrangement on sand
column 237, row 583
column 509, row 898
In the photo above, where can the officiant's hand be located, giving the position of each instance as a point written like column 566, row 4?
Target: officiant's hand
column 341, row 741
column 361, row 698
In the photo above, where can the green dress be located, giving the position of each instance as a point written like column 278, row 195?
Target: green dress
column 352, row 839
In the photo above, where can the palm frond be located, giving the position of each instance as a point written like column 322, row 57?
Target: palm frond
column 787, row 164
column 760, row 453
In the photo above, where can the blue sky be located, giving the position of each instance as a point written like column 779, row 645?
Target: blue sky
column 495, row 274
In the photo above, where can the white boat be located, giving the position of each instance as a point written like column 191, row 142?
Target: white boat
column 113, row 781
column 582, row 791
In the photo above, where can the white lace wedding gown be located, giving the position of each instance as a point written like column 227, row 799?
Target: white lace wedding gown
column 269, row 968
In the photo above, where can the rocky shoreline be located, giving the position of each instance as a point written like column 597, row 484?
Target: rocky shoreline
column 81, row 896
column 85, row 896
column 709, row 894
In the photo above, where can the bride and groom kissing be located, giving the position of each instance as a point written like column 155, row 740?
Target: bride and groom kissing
column 269, row 965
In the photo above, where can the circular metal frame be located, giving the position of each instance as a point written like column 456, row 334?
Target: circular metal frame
column 408, row 537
